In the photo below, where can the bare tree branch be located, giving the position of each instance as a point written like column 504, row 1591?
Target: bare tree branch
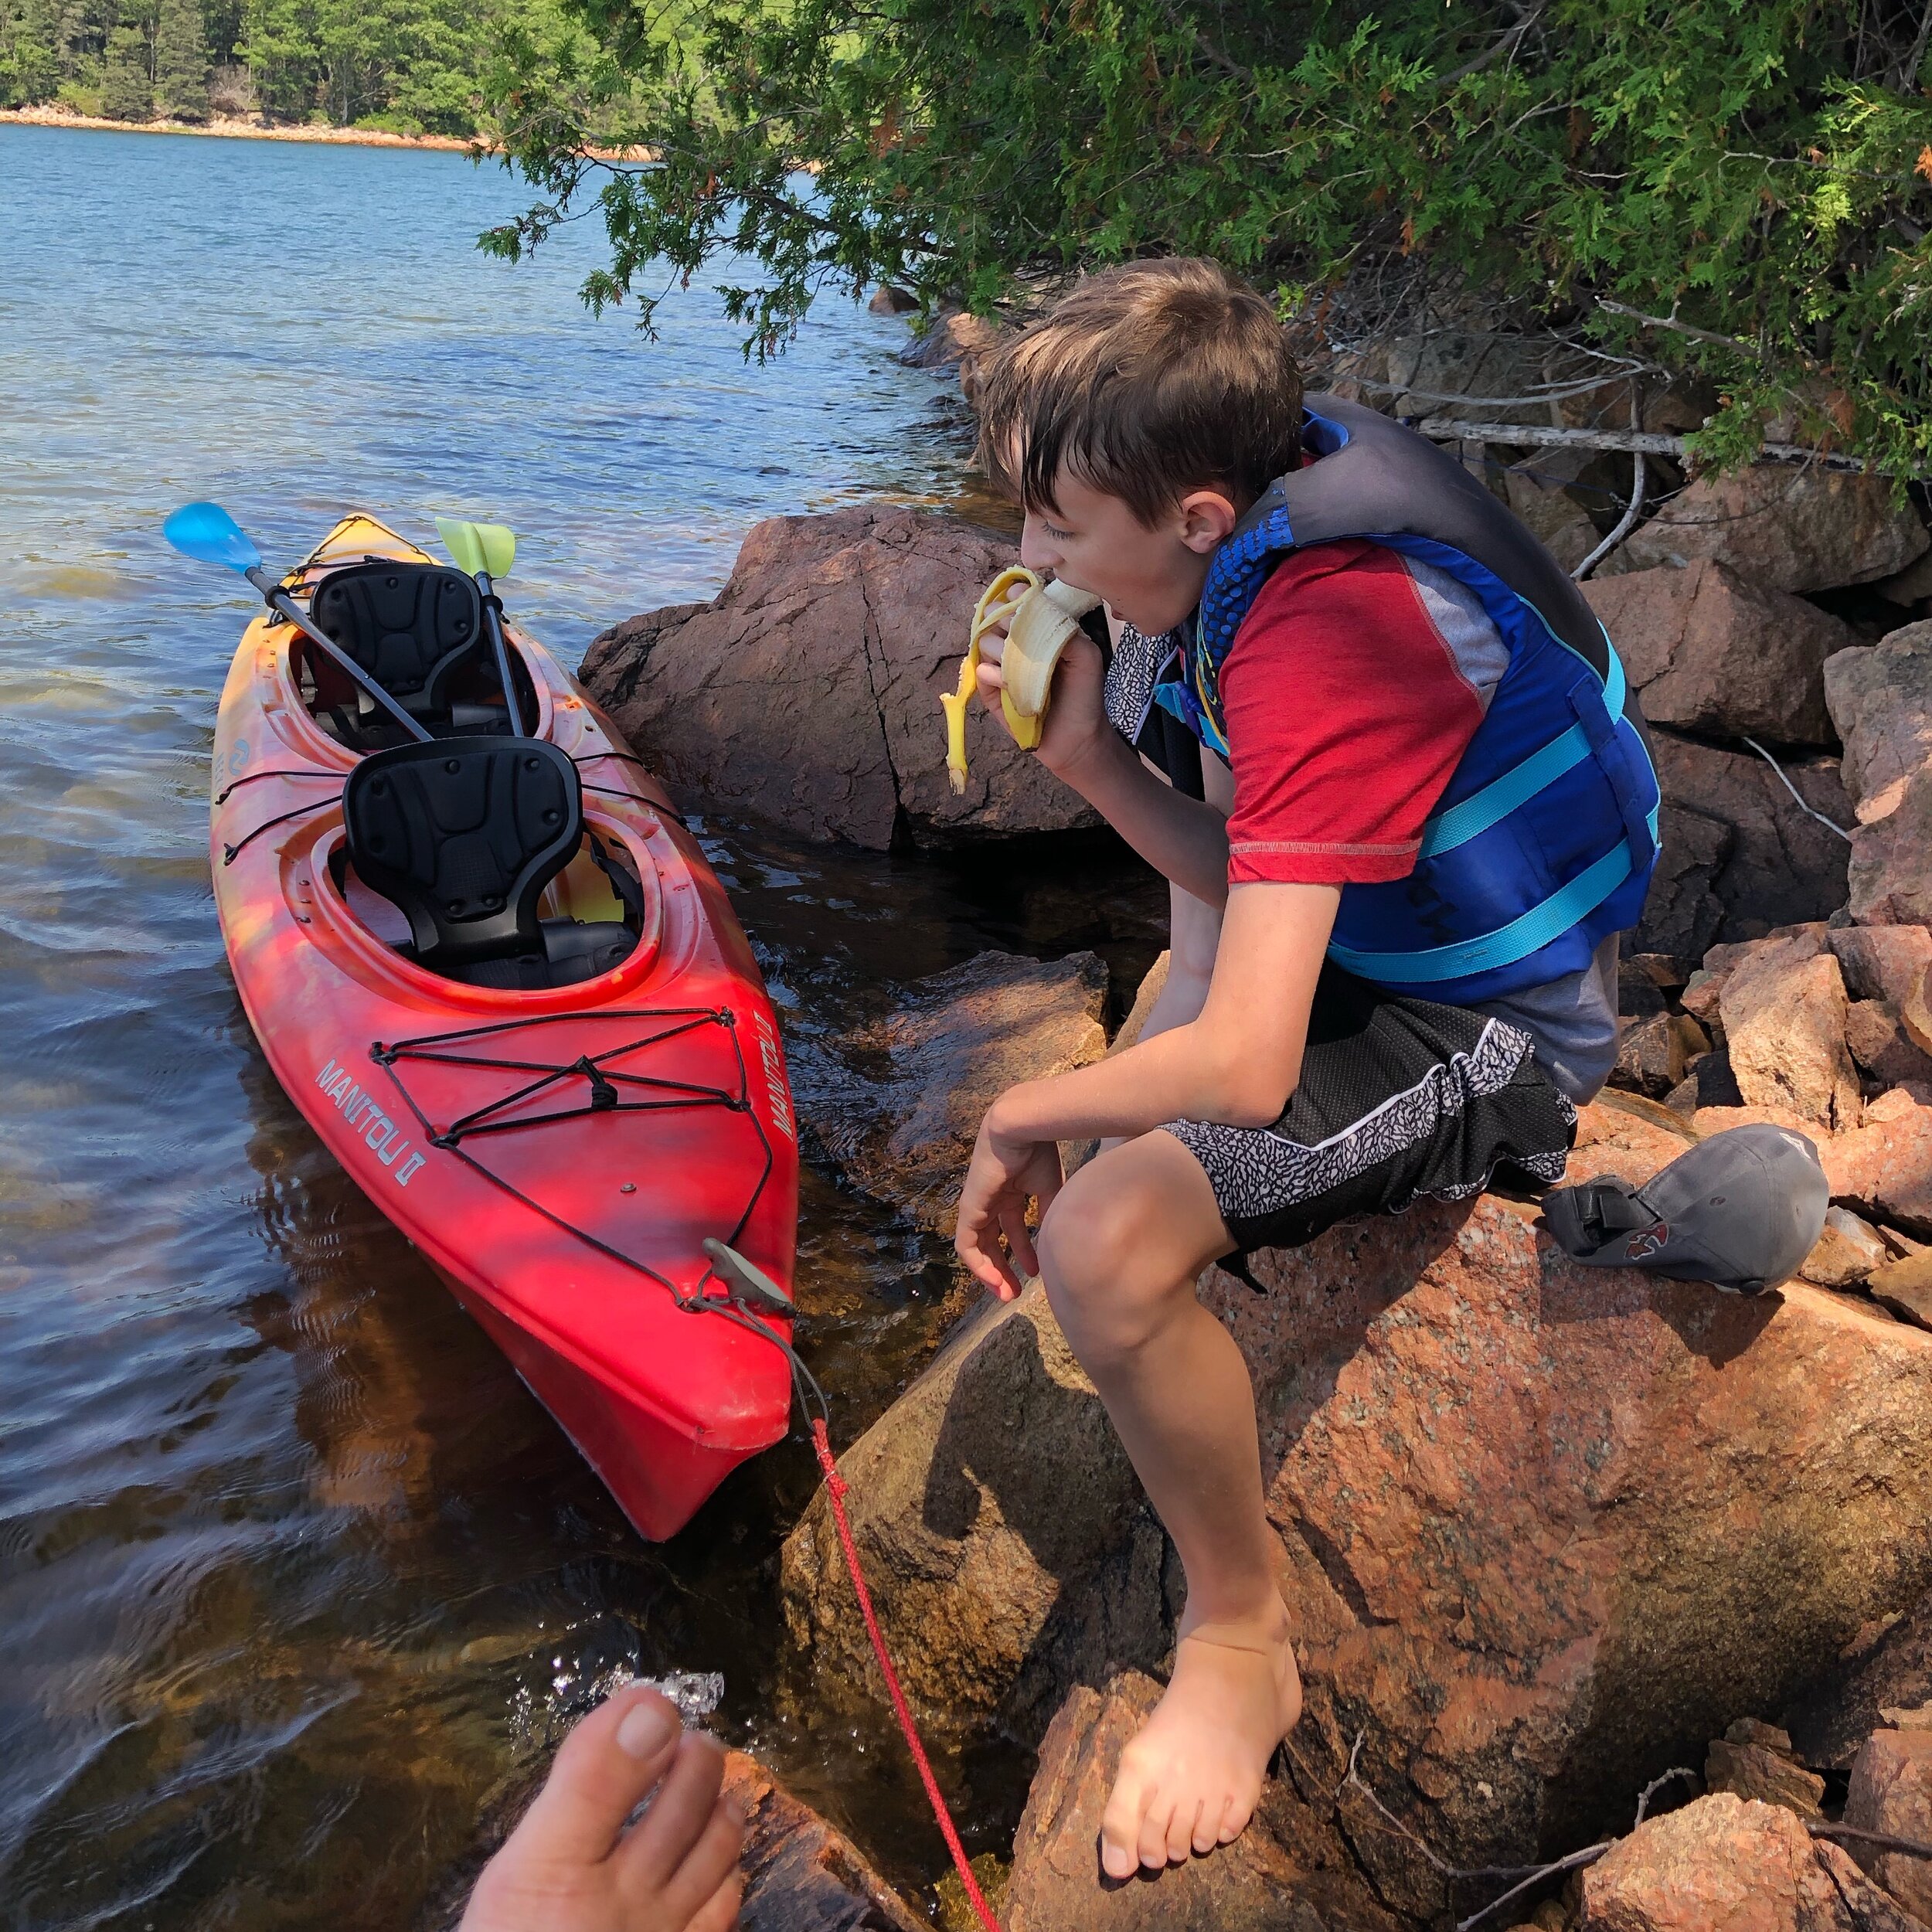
column 1442, row 429
column 1677, row 328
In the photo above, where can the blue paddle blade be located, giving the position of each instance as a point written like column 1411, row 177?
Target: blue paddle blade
column 208, row 533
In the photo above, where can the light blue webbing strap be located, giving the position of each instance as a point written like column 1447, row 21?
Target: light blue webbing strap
column 1530, row 932
column 1498, row 799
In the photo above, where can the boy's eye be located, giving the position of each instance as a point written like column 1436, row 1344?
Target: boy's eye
column 1054, row 531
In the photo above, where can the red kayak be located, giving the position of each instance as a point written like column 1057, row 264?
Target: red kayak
column 568, row 1091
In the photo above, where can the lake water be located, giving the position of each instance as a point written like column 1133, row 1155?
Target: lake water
column 293, row 1573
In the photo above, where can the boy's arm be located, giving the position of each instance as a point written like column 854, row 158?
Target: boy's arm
column 1183, row 838
column 1238, row 1062
column 1194, row 927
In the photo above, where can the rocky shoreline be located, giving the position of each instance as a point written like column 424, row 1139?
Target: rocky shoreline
column 230, row 129
column 1550, row 1533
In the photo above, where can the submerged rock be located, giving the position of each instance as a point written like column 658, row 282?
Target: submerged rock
column 901, row 1110
column 801, row 1874
column 1289, row 1871
column 1783, row 529
column 1708, row 650
column 808, row 691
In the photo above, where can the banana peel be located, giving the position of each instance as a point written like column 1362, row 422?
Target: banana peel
column 1040, row 620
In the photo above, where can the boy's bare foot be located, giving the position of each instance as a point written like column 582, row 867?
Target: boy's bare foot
column 1190, row 1780
column 573, row 1865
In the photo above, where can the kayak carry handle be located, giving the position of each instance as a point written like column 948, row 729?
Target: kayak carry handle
column 749, row 1280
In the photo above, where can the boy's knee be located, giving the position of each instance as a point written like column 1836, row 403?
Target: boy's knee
column 1099, row 1258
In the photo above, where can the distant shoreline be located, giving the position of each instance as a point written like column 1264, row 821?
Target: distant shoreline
column 230, row 130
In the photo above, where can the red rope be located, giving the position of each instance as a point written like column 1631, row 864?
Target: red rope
column 835, row 1487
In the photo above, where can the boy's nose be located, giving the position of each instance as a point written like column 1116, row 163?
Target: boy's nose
column 1036, row 553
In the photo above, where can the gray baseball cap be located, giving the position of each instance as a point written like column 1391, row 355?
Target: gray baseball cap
column 1741, row 1210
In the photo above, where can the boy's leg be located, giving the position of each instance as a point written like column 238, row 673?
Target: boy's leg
column 1119, row 1252
column 1397, row 1099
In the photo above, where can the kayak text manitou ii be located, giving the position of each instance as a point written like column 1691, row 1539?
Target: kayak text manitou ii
column 498, row 979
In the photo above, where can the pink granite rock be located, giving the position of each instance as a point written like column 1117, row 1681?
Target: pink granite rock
column 1892, row 1792
column 1713, row 651
column 1785, row 529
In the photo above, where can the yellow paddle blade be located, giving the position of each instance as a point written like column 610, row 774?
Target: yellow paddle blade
column 478, row 547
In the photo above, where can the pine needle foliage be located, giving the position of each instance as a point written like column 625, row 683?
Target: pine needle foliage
column 1741, row 189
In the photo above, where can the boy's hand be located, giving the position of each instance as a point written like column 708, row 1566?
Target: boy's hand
column 1002, row 1177
column 1076, row 719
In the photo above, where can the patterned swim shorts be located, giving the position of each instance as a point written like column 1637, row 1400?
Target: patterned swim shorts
column 1398, row 1099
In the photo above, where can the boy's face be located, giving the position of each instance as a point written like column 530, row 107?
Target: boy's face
column 1149, row 575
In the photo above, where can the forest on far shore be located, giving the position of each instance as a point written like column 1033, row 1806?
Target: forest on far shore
column 409, row 66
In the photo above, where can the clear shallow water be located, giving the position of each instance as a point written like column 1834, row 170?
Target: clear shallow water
column 292, row 1571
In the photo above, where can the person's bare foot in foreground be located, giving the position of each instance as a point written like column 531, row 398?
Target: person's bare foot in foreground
column 572, row 1867
column 1192, row 1777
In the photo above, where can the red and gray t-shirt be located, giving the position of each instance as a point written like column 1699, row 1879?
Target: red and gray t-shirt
column 1350, row 694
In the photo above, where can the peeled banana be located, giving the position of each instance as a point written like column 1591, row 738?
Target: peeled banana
column 1040, row 618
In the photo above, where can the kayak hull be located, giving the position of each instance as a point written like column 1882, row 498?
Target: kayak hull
column 558, row 1157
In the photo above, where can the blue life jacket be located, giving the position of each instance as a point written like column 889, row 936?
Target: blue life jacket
column 1545, row 837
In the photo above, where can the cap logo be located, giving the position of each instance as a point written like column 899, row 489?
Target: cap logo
column 1647, row 1242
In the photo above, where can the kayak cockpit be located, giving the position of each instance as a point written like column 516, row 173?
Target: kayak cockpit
column 466, row 839
column 418, row 630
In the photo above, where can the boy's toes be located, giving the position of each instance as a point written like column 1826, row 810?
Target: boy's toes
column 1157, row 1827
column 1122, row 1823
column 1183, row 1828
column 1213, row 1827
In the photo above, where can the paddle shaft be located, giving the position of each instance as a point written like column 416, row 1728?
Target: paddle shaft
column 281, row 602
column 493, row 622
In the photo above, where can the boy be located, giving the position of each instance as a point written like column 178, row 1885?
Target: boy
column 1420, row 810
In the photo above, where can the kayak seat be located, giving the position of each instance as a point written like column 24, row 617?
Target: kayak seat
column 568, row 952
column 412, row 627
column 463, row 835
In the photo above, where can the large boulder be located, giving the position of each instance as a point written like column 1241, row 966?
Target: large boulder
column 1516, row 1497
column 1880, row 698
column 1882, row 1675
column 1882, row 962
column 1891, row 1794
column 1726, row 1864
column 1889, row 883
column 1550, row 513
column 1884, row 1169
column 1713, row 651
column 1683, row 914
column 1740, row 857
column 807, row 691
column 1002, row 1528
column 897, row 1103
column 1783, row 529
column 1783, row 1009
column 1289, row 1871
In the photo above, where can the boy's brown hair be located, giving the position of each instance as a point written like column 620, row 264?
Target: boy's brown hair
column 1149, row 380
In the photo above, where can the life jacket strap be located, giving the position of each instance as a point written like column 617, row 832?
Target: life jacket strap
column 1568, row 906
column 1474, row 815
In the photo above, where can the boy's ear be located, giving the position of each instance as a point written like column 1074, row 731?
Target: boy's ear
column 1207, row 518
